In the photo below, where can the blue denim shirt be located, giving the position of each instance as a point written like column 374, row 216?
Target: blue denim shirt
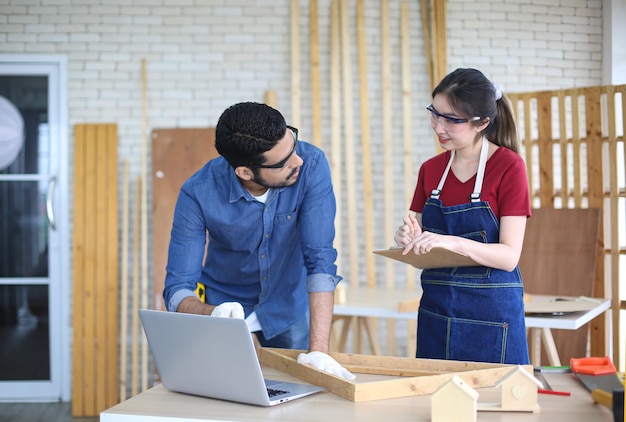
column 267, row 257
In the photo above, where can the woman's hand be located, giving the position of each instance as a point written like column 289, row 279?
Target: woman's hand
column 409, row 229
column 425, row 241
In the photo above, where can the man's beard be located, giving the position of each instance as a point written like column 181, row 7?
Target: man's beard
column 260, row 180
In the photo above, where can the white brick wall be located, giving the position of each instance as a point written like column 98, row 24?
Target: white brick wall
column 204, row 55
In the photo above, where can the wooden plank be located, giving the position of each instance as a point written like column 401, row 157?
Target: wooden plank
column 528, row 133
column 387, row 123
column 427, row 43
column 89, row 292
column 95, row 310
column 546, row 165
column 441, row 39
column 366, row 161
column 619, row 355
column 562, row 114
column 593, row 119
column 335, row 121
column 100, row 230
column 135, row 309
column 348, row 141
column 296, row 83
column 576, row 146
column 413, row 376
column 613, row 205
column 124, row 289
column 78, row 254
column 316, row 104
column 432, row 14
column 112, row 264
column 407, row 119
column 144, row 220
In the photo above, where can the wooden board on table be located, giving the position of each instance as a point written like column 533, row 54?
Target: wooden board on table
column 385, row 377
column 436, row 258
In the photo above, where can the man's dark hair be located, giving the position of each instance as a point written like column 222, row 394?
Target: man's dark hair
column 245, row 131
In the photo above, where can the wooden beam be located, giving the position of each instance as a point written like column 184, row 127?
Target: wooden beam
column 348, row 141
column 595, row 170
column 335, row 121
column 316, row 106
column 366, row 161
column 296, row 83
column 387, row 141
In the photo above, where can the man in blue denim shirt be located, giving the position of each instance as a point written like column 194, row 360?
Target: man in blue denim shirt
column 268, row 207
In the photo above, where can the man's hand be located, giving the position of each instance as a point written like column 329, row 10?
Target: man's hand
column 325, row 363
column 229, row 310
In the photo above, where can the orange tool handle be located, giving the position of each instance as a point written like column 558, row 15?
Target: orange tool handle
column 593, row 366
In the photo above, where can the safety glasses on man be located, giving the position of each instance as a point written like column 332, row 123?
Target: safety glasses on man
column 282, row 163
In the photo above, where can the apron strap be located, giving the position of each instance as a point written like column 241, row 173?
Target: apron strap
column 436, row 192
column 482, row 163
column 480, row 175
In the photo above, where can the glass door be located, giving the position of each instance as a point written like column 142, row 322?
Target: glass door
column 34, row 284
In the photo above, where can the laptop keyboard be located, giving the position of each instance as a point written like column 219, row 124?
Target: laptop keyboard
column 273, row 392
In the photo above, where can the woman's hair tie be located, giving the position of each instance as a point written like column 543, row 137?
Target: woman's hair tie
column 498, row 90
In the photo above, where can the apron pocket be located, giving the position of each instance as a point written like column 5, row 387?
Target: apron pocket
column 440, row 337
column 480, row 341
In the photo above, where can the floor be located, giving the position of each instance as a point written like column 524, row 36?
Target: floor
column 39, row 412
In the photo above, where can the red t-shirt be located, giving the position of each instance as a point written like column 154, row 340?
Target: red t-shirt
column 505, row 185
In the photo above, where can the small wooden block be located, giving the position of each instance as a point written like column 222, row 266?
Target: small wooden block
column 461, row 395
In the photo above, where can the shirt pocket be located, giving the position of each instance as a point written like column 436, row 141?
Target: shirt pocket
column 285, row 225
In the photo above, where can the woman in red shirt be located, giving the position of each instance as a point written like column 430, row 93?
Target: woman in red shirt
column 474, row 199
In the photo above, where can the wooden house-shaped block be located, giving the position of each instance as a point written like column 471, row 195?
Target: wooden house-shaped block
column 518, row 392
column 454, row 401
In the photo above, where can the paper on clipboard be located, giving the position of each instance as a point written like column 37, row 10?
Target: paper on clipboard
column 436, row 258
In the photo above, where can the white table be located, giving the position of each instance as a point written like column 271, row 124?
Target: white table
column 161, row 405
column 365, row 303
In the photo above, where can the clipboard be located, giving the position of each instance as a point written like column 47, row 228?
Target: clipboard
column 436, row 258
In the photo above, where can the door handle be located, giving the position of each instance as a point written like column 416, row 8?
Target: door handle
column 49, row 208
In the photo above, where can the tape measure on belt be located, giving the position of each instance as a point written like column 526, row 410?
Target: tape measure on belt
column 200, row 292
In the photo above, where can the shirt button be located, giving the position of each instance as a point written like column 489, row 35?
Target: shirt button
column 267, row 235
column 262, row 256
column 289, row 217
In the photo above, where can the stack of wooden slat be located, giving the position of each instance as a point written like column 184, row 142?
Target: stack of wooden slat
column 95, row 270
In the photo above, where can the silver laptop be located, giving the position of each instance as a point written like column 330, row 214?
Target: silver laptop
column 213, row 357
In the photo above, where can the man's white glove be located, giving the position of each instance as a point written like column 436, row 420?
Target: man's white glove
column 324, row 362
column 229, row 310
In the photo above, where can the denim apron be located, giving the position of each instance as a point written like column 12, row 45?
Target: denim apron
column 470, row 313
